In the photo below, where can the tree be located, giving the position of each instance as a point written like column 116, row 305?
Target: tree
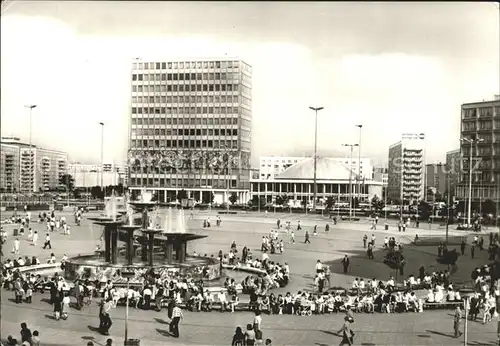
column 377, row 203
column 424, row 210
column 68, row 181
column 182, row 194
column 233, row 197
column 207, row 197
column 330, row 202
column 97, row 192
column 489, row 207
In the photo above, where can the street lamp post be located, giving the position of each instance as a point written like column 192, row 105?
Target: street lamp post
column 315, row 187
column 128, row 275
column 351, row 146
column 358, row 177
column 102, row 157
column 31, row 172
column 472, row 141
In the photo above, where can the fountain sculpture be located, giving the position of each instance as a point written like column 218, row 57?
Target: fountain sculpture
column 152, row 241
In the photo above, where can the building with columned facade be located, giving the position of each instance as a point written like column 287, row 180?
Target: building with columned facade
column 190, row 128
column 297, row 182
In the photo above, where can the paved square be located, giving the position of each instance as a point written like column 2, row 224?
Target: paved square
column 428, row 328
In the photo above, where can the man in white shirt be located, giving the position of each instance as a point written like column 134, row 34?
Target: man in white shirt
column 223, row 300
column 319, row 266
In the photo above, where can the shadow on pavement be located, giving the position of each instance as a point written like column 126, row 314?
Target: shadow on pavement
column 439, row 333
column 415, row 255
column 50, row 317
column 163, row 332
column 161, row 320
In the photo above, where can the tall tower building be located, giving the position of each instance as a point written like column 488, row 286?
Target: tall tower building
column 480, row 120
column 190, row 129
column 406, row 170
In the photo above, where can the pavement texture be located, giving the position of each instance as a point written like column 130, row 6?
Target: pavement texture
column 428, row 328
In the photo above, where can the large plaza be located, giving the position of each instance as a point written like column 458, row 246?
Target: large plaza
column 215, row 328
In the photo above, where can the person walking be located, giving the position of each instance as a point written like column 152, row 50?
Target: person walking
column 47, row 242
column 462, row 247
column 307, row 238
column 346, row 333
column 456, row 322
column 177, row 316
column 472, row 251
column 15, row 250
column 107, row 322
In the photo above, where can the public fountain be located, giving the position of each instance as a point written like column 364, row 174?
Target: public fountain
column 150, row 243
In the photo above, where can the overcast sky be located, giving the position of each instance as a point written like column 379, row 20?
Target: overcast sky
column 393, row 67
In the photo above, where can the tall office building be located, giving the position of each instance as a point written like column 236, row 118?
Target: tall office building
column 480, row 120
column 26, row 171
column 406, row 181
column 190, row 128
column 453, row 166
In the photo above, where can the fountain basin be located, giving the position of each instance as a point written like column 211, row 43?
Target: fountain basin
column 94, row 267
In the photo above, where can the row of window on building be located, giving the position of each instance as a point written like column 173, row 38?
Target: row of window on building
column 162, row 182
column 482, row 113
column 184, row 132
column 184, row 143
column 148, row 122
column 185, row 65
column 191, row 98
column 194, row 88
column 479, row 151
column 224, row 77
column 481, row 125
column 185, row 110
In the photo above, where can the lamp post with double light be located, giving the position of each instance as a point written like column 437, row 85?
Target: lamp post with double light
column 102, row 157
column 471, row 141
column 315, row 187
column 351, row 146
column 358, row 177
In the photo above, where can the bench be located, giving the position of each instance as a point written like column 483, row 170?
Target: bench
column 227, row 212
column 442, row 305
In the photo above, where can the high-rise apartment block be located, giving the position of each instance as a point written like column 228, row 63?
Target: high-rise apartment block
column 406, row 182
column 190, row 128
column 480, row 120
column 28, row 170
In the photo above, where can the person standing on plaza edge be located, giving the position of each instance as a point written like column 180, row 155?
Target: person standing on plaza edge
column 347, row 333
column 456, row 322
column 257, row 323
column 177, row 316
column 345, row 263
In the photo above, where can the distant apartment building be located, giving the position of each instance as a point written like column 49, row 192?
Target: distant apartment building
column 273, row 166
column 28, row 170
column 435, row 179
column 381, row 174
column 406, row 182
column 190, row 128
column 480, row 120
column 88, row 175
column 453, row 167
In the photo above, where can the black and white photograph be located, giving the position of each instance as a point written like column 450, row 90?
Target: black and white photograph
column 249, row 173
